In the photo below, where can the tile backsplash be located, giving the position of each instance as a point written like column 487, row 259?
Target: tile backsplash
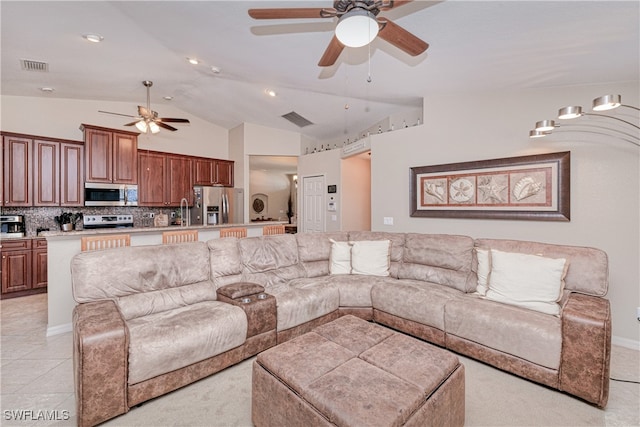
column 42, row 217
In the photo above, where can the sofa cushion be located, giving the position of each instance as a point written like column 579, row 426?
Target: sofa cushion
column 527, row 334
column 439, row 258
column 303, row 300
column 113, row 273
column 414, row 300
column 483, row 271
column 528, row 281
column 355, row 290
column 370, row 257
column 270, row 260
column 166, row 341
column 314, row 250
column 224, row 257
column 588, row 270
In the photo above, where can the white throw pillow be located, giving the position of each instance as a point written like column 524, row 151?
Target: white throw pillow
column 371, row 257
column 529, row 281
column 340, row 257
column 484, row 269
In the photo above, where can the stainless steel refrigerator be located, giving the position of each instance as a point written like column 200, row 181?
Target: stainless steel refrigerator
column 217, row 205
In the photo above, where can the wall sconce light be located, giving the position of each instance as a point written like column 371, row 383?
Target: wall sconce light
column 602, row 103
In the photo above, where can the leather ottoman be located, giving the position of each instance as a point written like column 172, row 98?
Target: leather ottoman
column 350, row 372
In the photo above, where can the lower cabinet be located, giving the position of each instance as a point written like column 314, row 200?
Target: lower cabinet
column 24, row 267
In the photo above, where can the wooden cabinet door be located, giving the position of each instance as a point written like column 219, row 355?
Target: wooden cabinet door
column 224, row 173
column 39, row 264
column 179, row 183
column 125, row 159
column 46, row 173
column 18, row 185
column 16, row 269
column 203, row 171
column 71, row 175
column 151, row 179
column 99, row 155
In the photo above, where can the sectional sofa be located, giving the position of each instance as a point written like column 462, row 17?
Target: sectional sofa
column 151, row 319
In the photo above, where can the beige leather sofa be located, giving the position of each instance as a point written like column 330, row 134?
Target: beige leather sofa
column 148, row 319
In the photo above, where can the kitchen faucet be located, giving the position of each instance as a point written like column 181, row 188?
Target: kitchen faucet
column 185, row 219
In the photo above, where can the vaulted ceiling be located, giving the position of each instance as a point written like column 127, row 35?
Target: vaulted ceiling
column 474, row 45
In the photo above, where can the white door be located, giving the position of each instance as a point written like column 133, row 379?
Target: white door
column 313, row 210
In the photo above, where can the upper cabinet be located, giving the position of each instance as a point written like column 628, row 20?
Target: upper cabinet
column 111, row 156
column 18, row 175
column 42, row 171
column 213, row 172
column 165, row 179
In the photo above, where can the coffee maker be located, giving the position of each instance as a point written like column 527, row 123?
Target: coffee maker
column 11, row 226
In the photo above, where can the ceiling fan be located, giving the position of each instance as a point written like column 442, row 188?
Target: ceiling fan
column 147, row 119
column 358, row 25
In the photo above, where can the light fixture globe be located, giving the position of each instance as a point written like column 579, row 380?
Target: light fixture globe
column 570, row 112
column 142, row 126
column 357, row 28
column 607, row 102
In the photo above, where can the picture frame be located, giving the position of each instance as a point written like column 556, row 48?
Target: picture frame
column 534, row 187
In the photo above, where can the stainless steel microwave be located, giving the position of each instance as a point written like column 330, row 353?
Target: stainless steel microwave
column 98, row 194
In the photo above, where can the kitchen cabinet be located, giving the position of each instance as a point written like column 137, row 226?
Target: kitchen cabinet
column 164, row 179
column 40, row 171
column 111, row 155
column 24, row 267
column 17, row 176
column 212, row 172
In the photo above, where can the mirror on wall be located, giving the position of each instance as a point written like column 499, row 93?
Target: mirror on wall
column 273, row 188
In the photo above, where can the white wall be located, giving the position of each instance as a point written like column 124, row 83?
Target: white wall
column 605, row 178
column 356, row 193
column 61, row 118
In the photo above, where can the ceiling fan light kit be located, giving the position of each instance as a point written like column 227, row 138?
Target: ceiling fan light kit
column 357, row 28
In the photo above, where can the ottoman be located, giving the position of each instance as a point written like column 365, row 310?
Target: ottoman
column 350, row 372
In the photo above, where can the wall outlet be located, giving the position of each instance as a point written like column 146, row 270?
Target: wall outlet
column 152, row 215
column 387, row 220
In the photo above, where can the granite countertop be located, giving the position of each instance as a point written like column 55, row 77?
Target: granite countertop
column 151, row 229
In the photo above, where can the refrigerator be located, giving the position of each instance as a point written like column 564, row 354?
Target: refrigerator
column 217, row 205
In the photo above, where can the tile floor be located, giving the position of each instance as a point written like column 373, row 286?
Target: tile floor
column 36, row 374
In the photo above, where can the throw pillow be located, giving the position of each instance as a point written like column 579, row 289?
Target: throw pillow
column 340, row 257
column 371, row 257
column 529, row 281
column 484, row 269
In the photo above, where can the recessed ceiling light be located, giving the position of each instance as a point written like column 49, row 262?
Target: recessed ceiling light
column 47, row 89
column 215, row 70
column 94, row 38
column 168, row 98
column 193, row 61
column 270, row 92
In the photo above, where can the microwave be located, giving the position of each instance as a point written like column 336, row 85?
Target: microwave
column 98, row 194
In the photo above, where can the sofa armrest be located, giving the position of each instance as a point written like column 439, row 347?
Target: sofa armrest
column 100, row 354
column 586, row 348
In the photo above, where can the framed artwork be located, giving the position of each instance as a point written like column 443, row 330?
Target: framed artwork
column 528, row 187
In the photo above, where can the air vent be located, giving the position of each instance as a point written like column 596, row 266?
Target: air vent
column 297, row 119
column 30, row 65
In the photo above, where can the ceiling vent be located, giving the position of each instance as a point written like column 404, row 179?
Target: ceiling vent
column 297, row 119
column 30, row 65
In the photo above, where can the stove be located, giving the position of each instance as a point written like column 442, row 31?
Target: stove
column 107, row 221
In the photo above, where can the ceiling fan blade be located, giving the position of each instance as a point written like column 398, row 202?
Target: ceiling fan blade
column 292, row 13
column 116, row 114
column 162, row 125
column 401, row 38
column 332, row 53
column 170, row 120
column 132, row 123
column 395, row 3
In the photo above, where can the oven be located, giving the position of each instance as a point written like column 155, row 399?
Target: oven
column 90, row 222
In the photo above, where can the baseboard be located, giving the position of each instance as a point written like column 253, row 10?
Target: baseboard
column 625, row 342
column 60, row 329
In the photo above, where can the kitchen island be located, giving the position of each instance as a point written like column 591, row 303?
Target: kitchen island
column 63, row 246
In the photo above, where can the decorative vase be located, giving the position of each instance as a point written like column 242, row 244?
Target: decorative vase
column 67, row 227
